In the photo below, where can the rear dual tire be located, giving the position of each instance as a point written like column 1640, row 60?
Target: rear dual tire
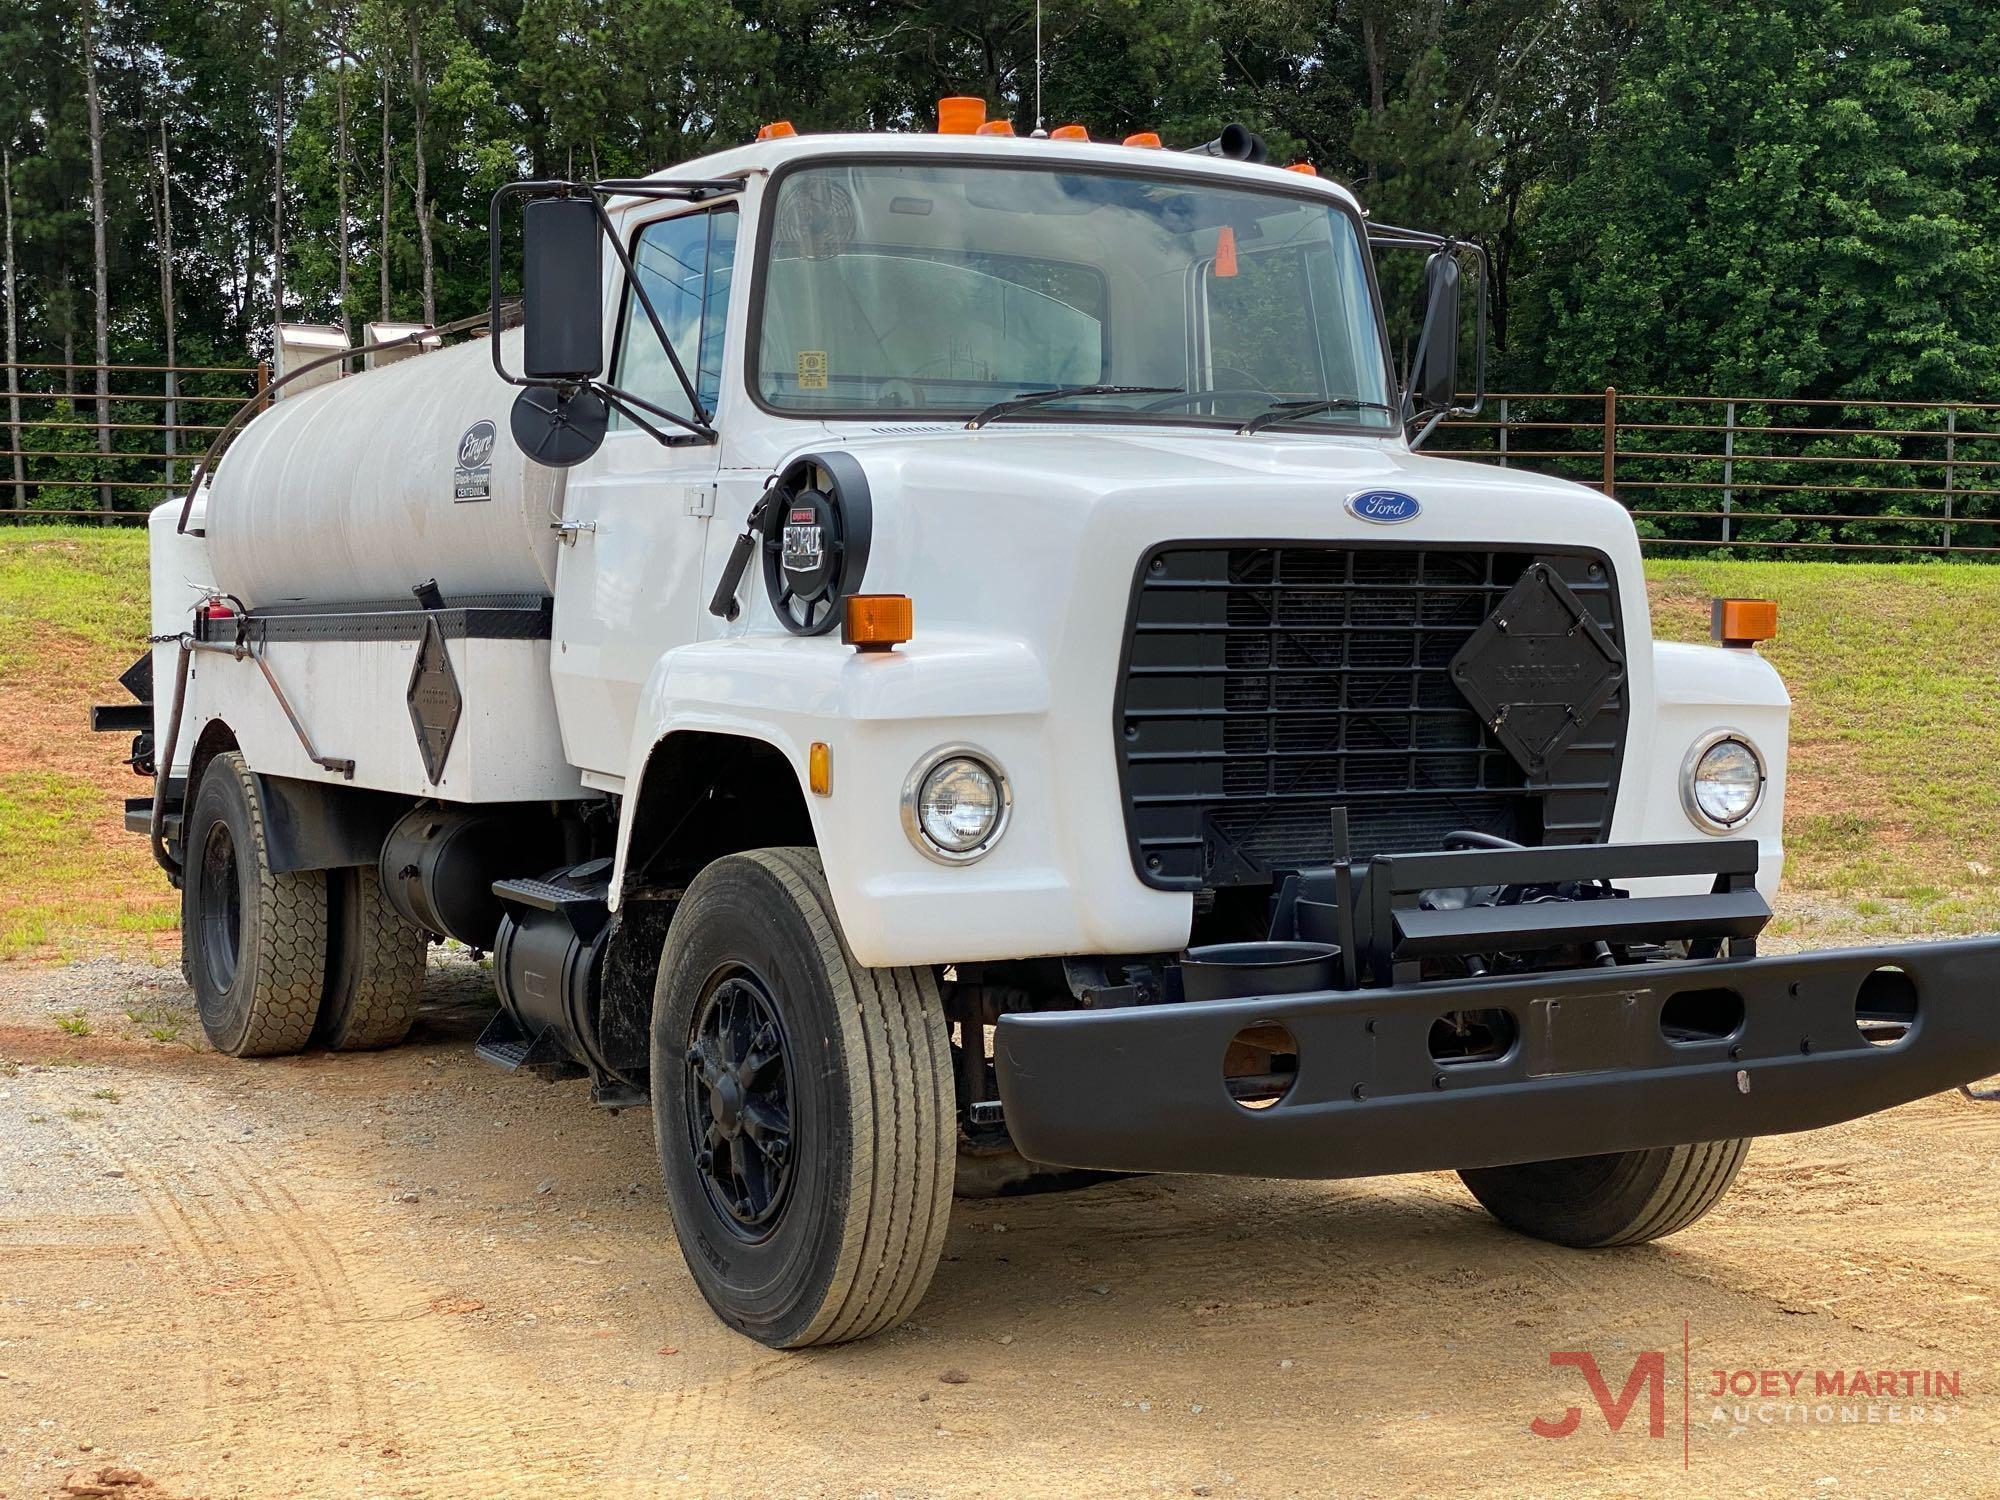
column 279, row 959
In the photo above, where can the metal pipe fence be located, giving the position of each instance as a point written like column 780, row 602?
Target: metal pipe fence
column 63, row 459
column 1776, row 476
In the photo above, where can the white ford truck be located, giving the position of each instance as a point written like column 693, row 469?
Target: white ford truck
column 922, row 651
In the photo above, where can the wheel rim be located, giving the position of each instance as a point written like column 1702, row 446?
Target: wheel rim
column 221, row 906
column 739, row 1103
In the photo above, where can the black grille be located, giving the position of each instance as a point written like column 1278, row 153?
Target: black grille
column 1265, row 686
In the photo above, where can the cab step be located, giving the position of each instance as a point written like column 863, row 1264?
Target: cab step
column 503, row 1044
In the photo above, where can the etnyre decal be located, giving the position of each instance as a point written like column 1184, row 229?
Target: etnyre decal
column 472, row 478
column 1383, row 507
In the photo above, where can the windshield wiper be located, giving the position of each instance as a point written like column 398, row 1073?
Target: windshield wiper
column 1029, row 399
column 1286, row 411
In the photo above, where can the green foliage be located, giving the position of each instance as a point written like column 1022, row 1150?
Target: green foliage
column 1775, row 198
column 1790, row 198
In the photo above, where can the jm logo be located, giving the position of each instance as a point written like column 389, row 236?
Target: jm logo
column 1649, row 1375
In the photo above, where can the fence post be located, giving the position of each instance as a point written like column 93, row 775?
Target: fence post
column 1728, row 465
column 1950, row 467
column 1610, row 440
column 263, row 384
column 1503, row 432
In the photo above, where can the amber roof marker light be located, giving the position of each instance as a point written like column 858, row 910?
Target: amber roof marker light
column 961, row 114
column 1742, row 622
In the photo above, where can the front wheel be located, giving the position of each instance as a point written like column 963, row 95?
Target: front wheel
column 802, row 1106
column 1623, row 1198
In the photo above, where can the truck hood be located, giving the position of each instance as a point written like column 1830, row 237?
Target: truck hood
column 1017, row 523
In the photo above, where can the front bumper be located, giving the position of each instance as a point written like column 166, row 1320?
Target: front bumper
column 1142, row 1089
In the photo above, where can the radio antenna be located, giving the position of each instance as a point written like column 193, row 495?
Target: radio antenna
column 1038, row 64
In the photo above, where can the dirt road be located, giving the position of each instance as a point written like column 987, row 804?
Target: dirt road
column 410, row 1274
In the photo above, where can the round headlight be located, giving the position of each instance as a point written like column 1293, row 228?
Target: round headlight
column 954, row 805
column 1723, row 781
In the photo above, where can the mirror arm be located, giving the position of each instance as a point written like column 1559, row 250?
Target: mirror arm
column 626, row 402
column 1438, row 414
column 1479, row 339
column 702, row 413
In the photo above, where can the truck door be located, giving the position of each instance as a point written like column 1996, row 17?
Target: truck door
column 628, row 580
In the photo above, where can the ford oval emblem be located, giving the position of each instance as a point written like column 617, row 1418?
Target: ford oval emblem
column 1383, row 507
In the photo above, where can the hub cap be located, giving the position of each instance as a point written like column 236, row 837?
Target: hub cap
column 739, row 1103
column 221, row 897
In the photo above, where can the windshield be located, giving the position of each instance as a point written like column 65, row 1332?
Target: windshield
column 947, row 287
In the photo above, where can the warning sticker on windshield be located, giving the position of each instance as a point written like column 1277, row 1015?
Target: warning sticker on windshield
column 812, row 369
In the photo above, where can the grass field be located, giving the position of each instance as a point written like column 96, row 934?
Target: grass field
column 1893, row 818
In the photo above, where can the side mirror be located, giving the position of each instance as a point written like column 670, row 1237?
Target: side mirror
column 562, row 290
column 1435, row 378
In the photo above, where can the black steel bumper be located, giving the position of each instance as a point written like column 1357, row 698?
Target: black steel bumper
column 1592, row 1070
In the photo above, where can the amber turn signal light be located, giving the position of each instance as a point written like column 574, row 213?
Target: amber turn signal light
column 1069, row 133
column 1147, row 138
column 1304, row 168
column 775, row 130
column 960, row 115
column 996, row 127
column 819, row 768
column 1743, row 622
column 876, row 622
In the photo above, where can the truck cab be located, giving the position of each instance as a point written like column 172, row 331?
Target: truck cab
column 960, row 669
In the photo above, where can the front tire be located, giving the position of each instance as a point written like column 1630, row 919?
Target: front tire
column 1623, row 1198
column 803, row 1109
column 254, row 941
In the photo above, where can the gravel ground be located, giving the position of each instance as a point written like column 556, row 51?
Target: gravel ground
column 408, row 1274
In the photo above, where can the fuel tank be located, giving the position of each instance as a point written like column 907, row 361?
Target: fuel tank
column 364, row 487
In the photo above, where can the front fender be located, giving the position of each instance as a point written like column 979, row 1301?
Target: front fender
column 879, row 713
column 1698, row 689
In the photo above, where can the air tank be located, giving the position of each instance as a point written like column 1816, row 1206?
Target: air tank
column 365, row 487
